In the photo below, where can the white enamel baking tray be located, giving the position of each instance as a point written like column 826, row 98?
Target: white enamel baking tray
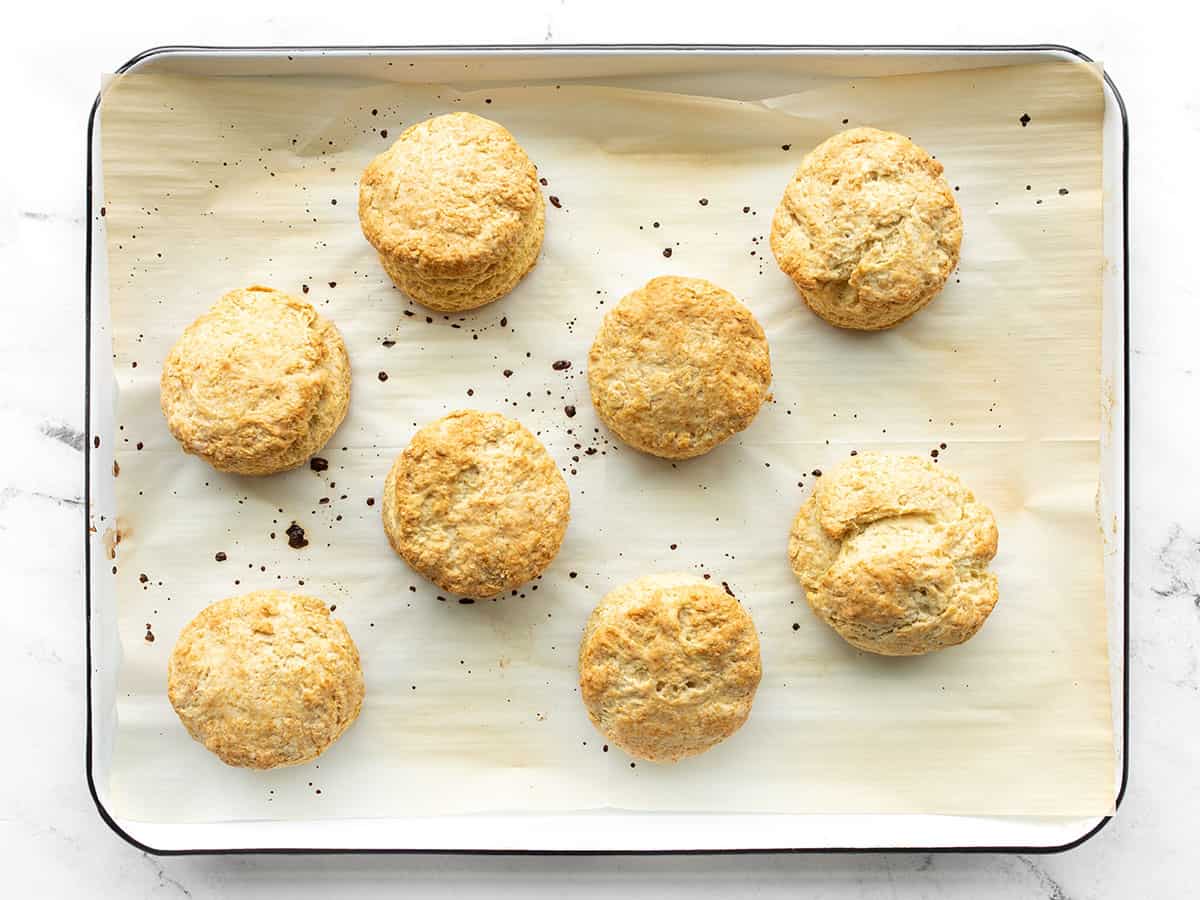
column 603, row 832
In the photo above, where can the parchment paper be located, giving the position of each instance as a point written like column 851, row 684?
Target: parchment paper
column 215, row 183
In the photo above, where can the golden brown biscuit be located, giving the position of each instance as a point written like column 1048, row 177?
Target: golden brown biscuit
column 868, row 229
column 454, row 210
column 266, row 679
column 668, row 666
column 476, row 504
column 893, row 552
column 678, row 366
column 257, row 384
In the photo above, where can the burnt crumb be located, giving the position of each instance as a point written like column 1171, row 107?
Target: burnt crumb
column 605, row 748
column 1024, row 120
column 942, row 446
column 543, row 182
column 854, row 453
column 561, row 365
column 795, row 626
column 667, row 252
column 572, row 574
column 508, row 373
column 383, row 132
column 704, row 201
column 221, row 556
column 383, row 376
column 409, row 313
column 374, row 112
column 140, row 445
column 465, row 601
column 570, row 411
column 370, row 501
column 333, row 284
column 388, row 342
column 816, row 473
column 470, row 392
column 143, row 578
column 116, row 469
column 441, row 598
column 555, row 202
column 323, row 501
column 728, row 589
column 1062, row 192
column 845, row 121
column 745, row 209
column 296, row 538
column 103, row 212
column 934, row 453
column 674, row 546
column 504, row 321
column 304, row 288
column 318, row 464
column 657, row 224
column 96, row 442
column 149, row 634
column 487, row 99
column 787, row 147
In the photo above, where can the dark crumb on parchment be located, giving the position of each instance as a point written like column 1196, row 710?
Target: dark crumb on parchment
column 116, row 469
column 704, row 201
column 561, row 365
column 728, row 589
column 296, row 538
column 383, row 132
column 854, row 453
column 543, row 182
column 383, row 376
column 1062, row 192
column 1024, row 120
column 370, row 501
column 555, row 202
column 96, row 442
column 570, row 411
column 465, row 601
column 942, row 446
column 388, row 342
column 508, row 373
column 667, row 252
column 304, row 288
column 786, row 147
column 318, row 464
column 221, row 556
column 816, row 473
column 605, row 748
column 149, row 634
column 795, row 626
column 143, row 578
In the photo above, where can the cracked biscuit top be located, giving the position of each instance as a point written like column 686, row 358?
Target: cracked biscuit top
column 892, row 552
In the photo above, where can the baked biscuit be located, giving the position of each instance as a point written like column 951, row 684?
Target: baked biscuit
column 893, row 552
column 257, row 384
column 454, row 210
column 266, row 679
column 476, row 504
column 678, row 366
column 868, row 229
column 668, row 666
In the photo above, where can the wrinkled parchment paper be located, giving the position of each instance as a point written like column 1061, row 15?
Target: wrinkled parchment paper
column 215, row 183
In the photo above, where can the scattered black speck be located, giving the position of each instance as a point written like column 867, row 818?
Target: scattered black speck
column 96, row 442
column 845, row 121
column 465, row 601
column 1062, row 192
column 508, row 373
column 487, row 99
column 667, row 252
column 304, row 288
column 143, row 578
column 795, row 626
column 745, row 209
column 383, row 132
column 149, row 634
column 570, row 411
column 1024, row 120
column 787, row 146
column 561, row 365
column 572, row 574
column 555, row 202
column 704, row 201
column 221, row 557
column 383, row 376
column 333, row 284
column 674, row 546
column 388, row 342
column 933, row 453
column 816, row 473
column 318, row 464
column 942, row 446
column 605, row 748
column 470, row 392
column 854, row 453
column 374, row 112
column 504, row 321
column 543, row 182
column 296, row 538
column 140, row 445
column 333, row 202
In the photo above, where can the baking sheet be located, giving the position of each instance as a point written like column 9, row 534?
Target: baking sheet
column 213, row 183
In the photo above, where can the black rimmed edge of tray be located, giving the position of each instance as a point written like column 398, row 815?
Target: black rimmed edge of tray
column 748, row 48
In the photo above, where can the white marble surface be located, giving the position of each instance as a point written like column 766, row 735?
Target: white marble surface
column 53, row 844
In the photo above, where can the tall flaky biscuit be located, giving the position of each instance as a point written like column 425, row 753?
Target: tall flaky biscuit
column 893, row 553
column 668, row 666
column 257, row 384
column 476, row 504
column 678, row 366
column 868, row 229
column 454, row 210
column 266, row 679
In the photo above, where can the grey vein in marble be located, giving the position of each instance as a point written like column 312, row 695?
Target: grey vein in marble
column 64, row 434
